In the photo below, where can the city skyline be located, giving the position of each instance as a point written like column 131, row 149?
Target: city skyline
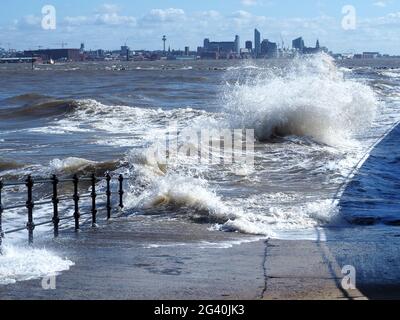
column 141, row 25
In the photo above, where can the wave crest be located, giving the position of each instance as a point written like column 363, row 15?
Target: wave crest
column 311, row 97
column 33, row 106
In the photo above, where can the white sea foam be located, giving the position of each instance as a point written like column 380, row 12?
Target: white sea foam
column 21, row 264
column 206, row 244
column 69, row 165
column 309, row 99
column 264, row 214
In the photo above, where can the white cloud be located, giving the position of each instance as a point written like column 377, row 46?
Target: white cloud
column 29, row 22
column 114, row 19
column 382, row 3
column 165, row 15
column 211, row 14
column 249, row 2
column 108, row 8
column 107, row 14
column 76, row 21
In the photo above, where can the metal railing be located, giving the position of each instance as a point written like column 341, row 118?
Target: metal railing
column 55, row 201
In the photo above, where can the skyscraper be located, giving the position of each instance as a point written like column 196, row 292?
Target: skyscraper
column 257, row 43
column 237, row 44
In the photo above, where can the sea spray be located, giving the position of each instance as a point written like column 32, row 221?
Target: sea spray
column 310, row 97
column 309, row 101
column 21, row 264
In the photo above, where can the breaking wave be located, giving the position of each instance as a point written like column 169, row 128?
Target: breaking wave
column 9, row 165
column 33, row 106
column 311, row 97
column 81, row 166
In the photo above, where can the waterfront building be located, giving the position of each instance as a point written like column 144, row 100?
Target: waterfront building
column 224, row 49
column 257, row 43
column 298, row 45
column 237, row 44
column 55, row 54
column 269, row 49
column 249, row 46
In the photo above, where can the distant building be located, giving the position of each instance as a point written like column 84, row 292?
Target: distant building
column 187, row 51
column 257, row 43
column 370, row 55
column 307, row 50
column 55, row 54
column 269, row 49
column 249, row 46
column 298, row 44
column 224, row 48
column 124, row 51
column 19, row 60
column 210, row 55
column 206, row 44
column 237, row 44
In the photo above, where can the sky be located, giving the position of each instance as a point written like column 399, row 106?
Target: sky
column 141, row 24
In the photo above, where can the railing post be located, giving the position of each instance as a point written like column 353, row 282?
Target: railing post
column 30, row 205
column 94, row 195
column 77, row 215
column 121, row 191
column 56, row 201
column 1, row 213
column 108, row 179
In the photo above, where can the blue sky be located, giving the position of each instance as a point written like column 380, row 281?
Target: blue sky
column 109, row 24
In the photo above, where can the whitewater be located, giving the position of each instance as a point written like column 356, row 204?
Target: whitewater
column 314, row 122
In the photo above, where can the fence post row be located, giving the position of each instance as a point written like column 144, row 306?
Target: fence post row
column 55, row 200
column 109, row 208
column 121, row 191
column 76, row 198
column 94, row 195
column 30, row 205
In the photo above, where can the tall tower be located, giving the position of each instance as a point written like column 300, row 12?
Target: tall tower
column 237, row 44
column 317, row 46
column 257, row 43
column 164, row 39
